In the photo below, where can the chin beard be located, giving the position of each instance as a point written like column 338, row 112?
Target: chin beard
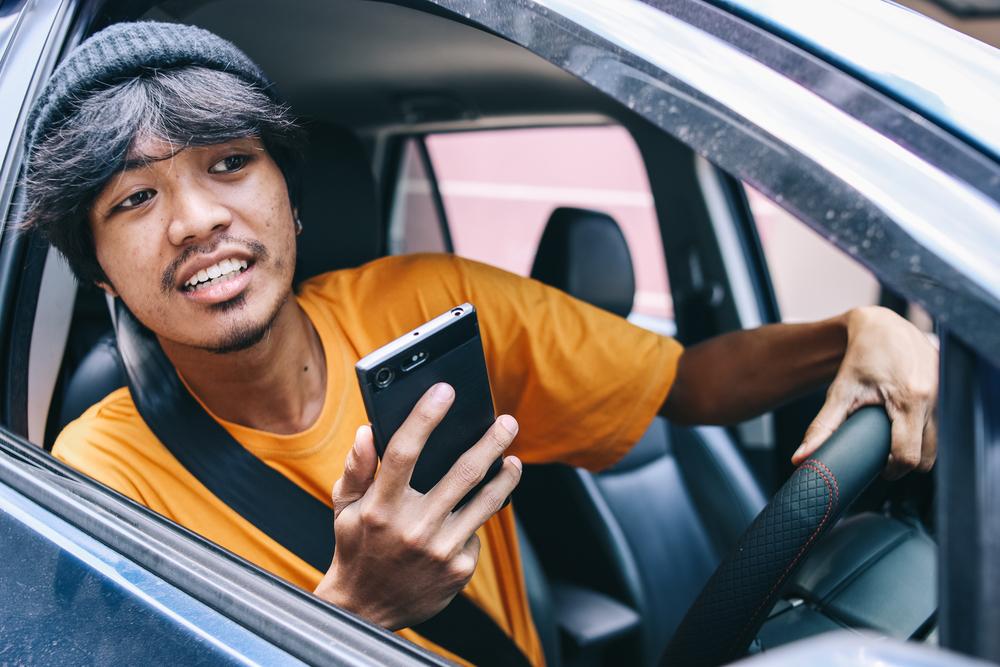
column 242, row 336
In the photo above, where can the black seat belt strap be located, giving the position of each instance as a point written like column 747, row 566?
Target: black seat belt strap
column 263, row 496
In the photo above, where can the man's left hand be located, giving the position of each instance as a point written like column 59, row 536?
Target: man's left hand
column 887, row 362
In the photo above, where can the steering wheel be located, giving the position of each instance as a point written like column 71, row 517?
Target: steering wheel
column 734, row 603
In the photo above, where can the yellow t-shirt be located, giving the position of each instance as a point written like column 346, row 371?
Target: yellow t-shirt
column 583, row 385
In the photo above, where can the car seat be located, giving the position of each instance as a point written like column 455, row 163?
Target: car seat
column 650, row 530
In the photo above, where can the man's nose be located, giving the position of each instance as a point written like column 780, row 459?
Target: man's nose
column 196, row 216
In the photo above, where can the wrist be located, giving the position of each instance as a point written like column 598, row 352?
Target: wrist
column 330, row 591
column 832, row 340
column 861, row 317
column 848, row 321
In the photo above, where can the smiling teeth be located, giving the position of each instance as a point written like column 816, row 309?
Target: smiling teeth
column 220, row 270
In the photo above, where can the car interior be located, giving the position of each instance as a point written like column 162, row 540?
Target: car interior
column 613, row 560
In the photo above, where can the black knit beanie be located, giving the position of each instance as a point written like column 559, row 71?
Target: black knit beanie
column 125, row 50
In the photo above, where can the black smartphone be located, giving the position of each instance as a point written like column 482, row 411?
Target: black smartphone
column 446, row 349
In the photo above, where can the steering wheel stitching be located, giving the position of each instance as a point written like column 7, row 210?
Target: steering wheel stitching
column 735, row 602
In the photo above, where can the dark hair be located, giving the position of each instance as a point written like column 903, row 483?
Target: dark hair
column 188, row 106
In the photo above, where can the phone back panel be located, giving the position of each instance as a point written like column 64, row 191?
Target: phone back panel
column 455, row 356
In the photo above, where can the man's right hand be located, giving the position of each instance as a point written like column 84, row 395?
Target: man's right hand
column 401, row 555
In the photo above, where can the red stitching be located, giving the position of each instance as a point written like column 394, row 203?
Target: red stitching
column 829, row 472
column 815, row 467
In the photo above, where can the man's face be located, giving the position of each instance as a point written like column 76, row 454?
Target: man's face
column 199, row 243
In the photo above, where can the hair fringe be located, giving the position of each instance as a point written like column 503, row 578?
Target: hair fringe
column 191, row 106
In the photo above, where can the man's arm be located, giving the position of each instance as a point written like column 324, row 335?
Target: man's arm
column 872, row 356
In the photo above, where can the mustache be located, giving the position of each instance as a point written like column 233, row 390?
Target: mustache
column 255, row 247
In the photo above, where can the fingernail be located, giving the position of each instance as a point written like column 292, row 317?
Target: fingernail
column 443, row 391
column 798, row 451
column 509, row 423
column 517, row 463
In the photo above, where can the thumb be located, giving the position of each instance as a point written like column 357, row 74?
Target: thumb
column 830, row 417
column 359, row 471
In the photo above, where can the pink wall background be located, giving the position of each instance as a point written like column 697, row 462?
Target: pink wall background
column 500, row 187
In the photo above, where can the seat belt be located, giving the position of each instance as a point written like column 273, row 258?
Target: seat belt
column 267, row 499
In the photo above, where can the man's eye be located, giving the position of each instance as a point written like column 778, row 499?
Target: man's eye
column 135, row 199
column 229, row 164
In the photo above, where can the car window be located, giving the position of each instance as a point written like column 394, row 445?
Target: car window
column 499, row 188
column 415, row 224
column 812, row 279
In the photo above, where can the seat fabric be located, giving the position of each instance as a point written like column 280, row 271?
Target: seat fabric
column 651, row 529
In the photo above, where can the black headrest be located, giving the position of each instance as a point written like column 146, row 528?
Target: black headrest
column 338, row 204
column 585, row 254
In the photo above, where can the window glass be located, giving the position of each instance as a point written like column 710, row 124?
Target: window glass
column 812, row 278
column 499, row 188
column 415, row 225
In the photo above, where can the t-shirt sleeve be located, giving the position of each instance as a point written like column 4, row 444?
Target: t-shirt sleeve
column 584, row 384
column 94, row 446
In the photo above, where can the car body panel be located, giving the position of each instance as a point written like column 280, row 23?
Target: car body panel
column 121, row 613
column 945, row 75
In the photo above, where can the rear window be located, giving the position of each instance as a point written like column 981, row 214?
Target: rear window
column 499, row 187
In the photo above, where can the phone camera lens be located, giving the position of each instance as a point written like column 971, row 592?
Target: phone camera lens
column 457, row 312
column 384, row 377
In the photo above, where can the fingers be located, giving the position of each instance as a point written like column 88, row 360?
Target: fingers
column 907, row 437
column 467, row 559
column 359, row 471
column 487, row 502
column 404, row 448
column 830, row 417
column 472, row 466
column 462, row 565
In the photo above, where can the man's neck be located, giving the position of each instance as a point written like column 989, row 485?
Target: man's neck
column 277, row 385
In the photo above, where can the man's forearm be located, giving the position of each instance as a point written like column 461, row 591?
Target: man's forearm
column 739, row 375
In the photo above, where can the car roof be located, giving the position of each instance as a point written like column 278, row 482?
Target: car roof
column 946, row 76
column 363, row 64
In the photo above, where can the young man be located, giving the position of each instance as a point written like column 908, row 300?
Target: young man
column 160, row 164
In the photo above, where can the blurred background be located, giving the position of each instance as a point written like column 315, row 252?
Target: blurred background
column 976, row 18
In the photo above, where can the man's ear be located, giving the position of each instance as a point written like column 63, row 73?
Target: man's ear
column 107, row 287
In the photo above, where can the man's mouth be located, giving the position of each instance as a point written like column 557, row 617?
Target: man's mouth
column 216, row 274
